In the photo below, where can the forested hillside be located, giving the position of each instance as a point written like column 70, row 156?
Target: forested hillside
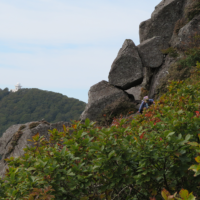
column 33, row 104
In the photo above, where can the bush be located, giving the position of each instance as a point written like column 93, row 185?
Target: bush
column 132, row 159
column 191, row 57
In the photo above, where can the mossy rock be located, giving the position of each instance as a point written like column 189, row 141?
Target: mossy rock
column 22, row 127
column 33, row 125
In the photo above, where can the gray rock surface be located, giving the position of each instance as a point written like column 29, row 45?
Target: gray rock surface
column 142, row 90
column 150, row 52
column 104, row 98
column 136, row 92
column 160, row 77
column 186, row 33
column 162, row 21
column 126, row 70
column 14, row 141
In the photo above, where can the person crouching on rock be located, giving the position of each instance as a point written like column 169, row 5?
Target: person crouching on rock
column 145, row 103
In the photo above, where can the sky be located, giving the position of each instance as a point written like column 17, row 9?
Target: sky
column 65, row 46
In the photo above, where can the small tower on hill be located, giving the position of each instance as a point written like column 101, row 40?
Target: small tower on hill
column 17, row 87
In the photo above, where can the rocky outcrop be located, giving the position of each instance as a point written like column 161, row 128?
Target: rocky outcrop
column 145, row 69
column 106, row 99
column 186, row 33
column 150, row 52
column 126, row 70
column 162, row 20
column 14, row 140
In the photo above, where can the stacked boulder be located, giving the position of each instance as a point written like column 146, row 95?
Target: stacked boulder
column 139, row 70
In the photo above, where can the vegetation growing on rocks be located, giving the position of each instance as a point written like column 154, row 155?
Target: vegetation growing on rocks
column 132, row 159
column 193, row 9
column 171, row 52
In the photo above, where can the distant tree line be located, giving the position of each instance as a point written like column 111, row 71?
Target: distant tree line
column 28, row 105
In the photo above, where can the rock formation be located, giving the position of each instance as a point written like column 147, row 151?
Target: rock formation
column 14, row 140
column 162, row 21
column 185, row 34
column 126, row 70
column 145, row 69
column 106, row 99
column 150, row 52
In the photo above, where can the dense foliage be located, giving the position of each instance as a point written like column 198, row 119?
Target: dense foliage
column 132, row 159
column 33, row 104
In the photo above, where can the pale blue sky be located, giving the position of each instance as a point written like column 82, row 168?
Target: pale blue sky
column 65, row 46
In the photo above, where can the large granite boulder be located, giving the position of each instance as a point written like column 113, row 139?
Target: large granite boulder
column 163, row 20
column 126, row 70
column 186, row 34
column 150, row 52
column 14, row 140
column 106, row 99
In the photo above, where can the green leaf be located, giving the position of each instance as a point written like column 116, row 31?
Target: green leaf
column 187, row 137
column 140, row 129
column 165, row 194
column 83, row 134
column 111, row 154
column 170, row 134
column 184, row 194
column 63, row 152
column 87, row 122
column 191, row 197
column 195, row 144
column 30, row 169
column 180, row 112
column 197, row 159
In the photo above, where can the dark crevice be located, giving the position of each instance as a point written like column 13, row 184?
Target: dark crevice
column 130, row 85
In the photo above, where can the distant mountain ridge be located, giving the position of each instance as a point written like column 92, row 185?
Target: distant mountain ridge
column 33, row 104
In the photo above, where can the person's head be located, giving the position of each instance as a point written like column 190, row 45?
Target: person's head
column 146, row 99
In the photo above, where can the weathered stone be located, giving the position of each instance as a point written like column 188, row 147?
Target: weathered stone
column 126, row 70
column 150, row 52
column 161, row 76
column 14, row 140
column 186, row 34
column 136, row 92
column 143, row 89
column 104, row 98
column 162, row 21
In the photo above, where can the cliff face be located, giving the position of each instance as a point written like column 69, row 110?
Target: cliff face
column 146, row 69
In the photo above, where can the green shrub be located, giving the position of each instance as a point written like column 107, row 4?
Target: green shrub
column 172, row 52
column 132, row 159
column 191, row 57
